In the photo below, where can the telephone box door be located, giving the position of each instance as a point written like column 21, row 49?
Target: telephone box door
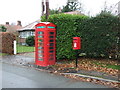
column 52, row 46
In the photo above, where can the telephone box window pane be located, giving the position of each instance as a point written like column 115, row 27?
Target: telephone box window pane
column 51, row 44
column 40, row 51
column 51, row 32
column 41, row 27
column 41, row 44
column 40, row 59
column 40, row 36
column 40, row 55
column 51, row 36
column 51, row 47
column 40, row 40
column 51, row 51
column 51, row 40
column 40, row 47
column 40, row 32
column 50, row 27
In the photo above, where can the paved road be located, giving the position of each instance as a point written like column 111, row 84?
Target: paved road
column 23, row 77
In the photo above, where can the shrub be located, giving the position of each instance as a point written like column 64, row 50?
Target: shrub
column 3, row 28
column 30, row 41
column 7, row 42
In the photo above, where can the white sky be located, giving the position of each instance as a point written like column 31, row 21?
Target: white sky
column 28, row 11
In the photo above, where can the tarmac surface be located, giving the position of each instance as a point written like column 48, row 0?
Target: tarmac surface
column 28, row 59
column 14, row 76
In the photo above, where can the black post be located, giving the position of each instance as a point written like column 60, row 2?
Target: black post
column 76, row 58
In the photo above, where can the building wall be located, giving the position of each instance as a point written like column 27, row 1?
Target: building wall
column 25, row 34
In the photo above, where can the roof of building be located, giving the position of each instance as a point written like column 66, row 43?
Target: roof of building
column 30, row 26
column 12, row 28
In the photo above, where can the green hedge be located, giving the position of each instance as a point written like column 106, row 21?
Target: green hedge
column 66, row 29
column 99, row 35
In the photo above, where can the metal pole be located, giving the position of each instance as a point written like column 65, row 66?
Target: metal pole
column 76, row 58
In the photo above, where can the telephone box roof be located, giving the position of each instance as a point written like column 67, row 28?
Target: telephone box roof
column 45, row 23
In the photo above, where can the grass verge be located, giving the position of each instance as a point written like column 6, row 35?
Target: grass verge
column 22, row 49
column 3, row 54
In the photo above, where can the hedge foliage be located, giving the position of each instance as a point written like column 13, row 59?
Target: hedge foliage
column 66, row 29
column 99, row 34
column 7, row 42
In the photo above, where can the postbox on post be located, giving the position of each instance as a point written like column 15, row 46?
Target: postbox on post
column 76, row 46
column 45, row 44
column 76, row 43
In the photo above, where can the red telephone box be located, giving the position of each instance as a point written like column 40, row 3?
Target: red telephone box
column 76, row 43
column 45, row 44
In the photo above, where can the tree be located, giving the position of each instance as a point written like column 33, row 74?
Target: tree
column 72, row 6
column 104, row 13
column 112, row 9
column 3, row 28
column 53, row 12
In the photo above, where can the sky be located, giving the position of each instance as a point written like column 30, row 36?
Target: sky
column 28, row 11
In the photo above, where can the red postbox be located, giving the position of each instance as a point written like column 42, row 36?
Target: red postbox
column 45, row 44
column 76, row 43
